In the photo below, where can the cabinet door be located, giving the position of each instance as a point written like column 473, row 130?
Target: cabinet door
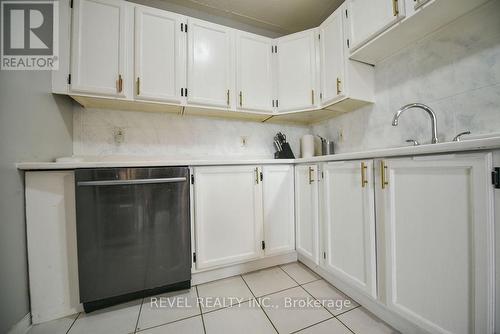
column 435, row 215
column 160, row 65
column 98, row 43
column 332, row 58
column 297, row 71
column 306, row 204
column 349, row 223
column 210, row 64
column 368, row 18
column 228, row 215
column 279, row 223
column 253, row 72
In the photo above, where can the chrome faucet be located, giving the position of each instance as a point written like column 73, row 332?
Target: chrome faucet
column 429, row 111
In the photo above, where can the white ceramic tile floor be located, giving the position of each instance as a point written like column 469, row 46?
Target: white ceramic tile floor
column 180, row 312
column 223, row 293
column 266, row 281
column 334, row 300
column 300, row 273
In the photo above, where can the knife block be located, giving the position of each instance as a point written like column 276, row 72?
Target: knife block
column 286, row 153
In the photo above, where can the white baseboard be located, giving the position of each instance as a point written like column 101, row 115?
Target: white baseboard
column 22, row 327
column 238, row 269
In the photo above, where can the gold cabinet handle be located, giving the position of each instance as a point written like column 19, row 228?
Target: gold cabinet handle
column 257, row 175
column 395, row 8
column 364, row 181
column 227, row 97
column 339, row 89
column 138, row 86
column 383, row 169
column 312, row 97
column 311, row 170
column 241, row 99
column 120, row 83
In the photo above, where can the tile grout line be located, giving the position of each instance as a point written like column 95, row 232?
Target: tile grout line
column 201, row 312
column 167, row 323
column 139, row 316
column 258, row 302
column 71, row 326
column 317, row 323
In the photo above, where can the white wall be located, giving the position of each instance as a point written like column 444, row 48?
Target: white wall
column 34, row 126
column 456, row 71
column 173, row 136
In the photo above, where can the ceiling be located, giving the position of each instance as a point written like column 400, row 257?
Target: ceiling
column 279, row 16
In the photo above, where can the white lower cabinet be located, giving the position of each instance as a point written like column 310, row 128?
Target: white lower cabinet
column 242, row 213
column 279, row 213
column 228, row 215
column 348, row 223
column 306, row 208
column 435, row 230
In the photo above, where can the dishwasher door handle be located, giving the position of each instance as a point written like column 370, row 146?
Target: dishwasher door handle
column 131, row 182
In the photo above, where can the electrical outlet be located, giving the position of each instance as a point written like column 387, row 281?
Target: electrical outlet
column 119, row 135
column 244, row 141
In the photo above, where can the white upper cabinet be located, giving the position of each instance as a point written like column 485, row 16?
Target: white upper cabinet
column 210, row 64
column 254, row 80
column 435, row 225
column 160, row 55
column 348, row 229
column 296, row 71
column 368, row 18
column 98, row 64
column 228, row 215
column 332, row 58
column 307, row 210
column 278, row 204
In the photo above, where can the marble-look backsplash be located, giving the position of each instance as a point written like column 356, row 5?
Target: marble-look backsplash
column 173, row 136
column 456, row 71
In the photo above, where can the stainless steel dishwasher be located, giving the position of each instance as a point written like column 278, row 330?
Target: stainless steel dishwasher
column 133, row 233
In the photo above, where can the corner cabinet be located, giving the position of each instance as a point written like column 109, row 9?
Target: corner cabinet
column 242, row 213
column 296, row 71
column 210, row 64
column 306, row 208
column 254, row 79
column 160, row 55
column 435, row 230
column 348, row 223
column 345, row 84
column 99, row 44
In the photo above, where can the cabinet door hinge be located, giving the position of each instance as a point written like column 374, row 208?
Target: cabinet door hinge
column 192, row 179
column 346, row 14
column 263, row 244
column 321, row 96
column 71, row 4
column 495, row 177
column 324, row 255
column 319, row 36
column 261, row 176
column 322, row 174
column 348, row 43
column 194, row 257
column 277, row 103
column 69, row 79
column 185, row 92
column 273, row 103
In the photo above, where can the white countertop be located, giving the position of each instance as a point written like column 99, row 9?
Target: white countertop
column 490, row 143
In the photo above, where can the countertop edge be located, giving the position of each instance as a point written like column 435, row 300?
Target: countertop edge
column 491, row 143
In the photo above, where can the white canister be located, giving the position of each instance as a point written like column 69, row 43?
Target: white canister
column 307, row 146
